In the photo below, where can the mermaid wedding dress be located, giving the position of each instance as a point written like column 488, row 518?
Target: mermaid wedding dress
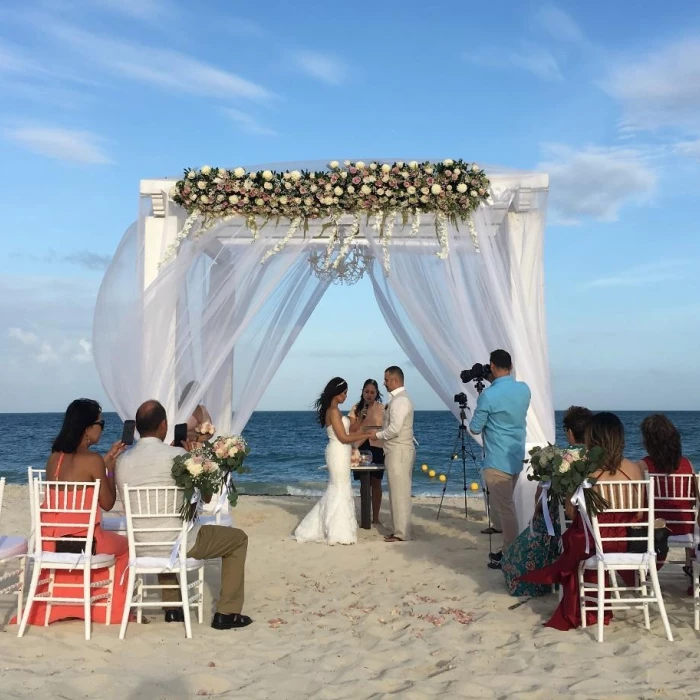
column 332, row 520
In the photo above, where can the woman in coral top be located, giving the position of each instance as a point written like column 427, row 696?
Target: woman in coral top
column 72, row 460
column 662, row 441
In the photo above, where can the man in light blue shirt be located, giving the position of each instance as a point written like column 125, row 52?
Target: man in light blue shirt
column 501, row 415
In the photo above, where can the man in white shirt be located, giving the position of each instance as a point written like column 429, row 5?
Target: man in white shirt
column 149, row 463
column 399, row 453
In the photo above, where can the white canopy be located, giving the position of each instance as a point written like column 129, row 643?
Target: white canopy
column 216, row 316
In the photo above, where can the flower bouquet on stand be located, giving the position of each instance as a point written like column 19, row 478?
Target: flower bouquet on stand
column 562, row 472
column 230, row 452
column 200, row 477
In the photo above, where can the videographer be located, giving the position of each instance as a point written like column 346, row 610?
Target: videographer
column 500, row 414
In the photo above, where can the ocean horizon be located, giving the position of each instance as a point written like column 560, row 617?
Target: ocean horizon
column 287, row 456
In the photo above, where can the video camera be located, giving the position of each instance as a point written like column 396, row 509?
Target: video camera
column 461, row 399
column 476, row 373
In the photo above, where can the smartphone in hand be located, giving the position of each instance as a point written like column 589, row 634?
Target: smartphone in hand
column 128, row 432
column 180, row 434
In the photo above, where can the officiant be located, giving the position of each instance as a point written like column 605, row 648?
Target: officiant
column 368, row 413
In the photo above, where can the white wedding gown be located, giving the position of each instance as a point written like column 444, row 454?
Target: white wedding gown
column 332, row 520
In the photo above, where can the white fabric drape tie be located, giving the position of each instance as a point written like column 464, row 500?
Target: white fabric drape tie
column 175, row 553
column 223, row 496
column 544, row 488
column 579, row 501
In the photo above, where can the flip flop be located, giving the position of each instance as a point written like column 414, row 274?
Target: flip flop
column 392, row 538
column 491, row 531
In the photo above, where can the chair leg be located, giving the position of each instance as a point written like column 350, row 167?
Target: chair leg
column 36, row 572
column 184, row 596
column 141, row 595
column 642, row 575
column 22, row 587
column 581, row 595
column 696, row 596
column 110, row 594
column 659, row 599
column 87, row 603
column 200, row 605
column 613, row 584
column 47, row 616
column 128, row 603
column 601, row 601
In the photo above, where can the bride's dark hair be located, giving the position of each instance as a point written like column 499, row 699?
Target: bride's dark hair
column 361, row 403
column 336, row 386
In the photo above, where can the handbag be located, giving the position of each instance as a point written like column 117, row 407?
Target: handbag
column 661, row 534
column 63, row 547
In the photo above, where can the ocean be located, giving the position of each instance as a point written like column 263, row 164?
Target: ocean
column 287, row 448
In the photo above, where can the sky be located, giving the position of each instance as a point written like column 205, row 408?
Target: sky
column 99, row 94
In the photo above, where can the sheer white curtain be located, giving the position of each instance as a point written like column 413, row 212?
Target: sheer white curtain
column 448, row 314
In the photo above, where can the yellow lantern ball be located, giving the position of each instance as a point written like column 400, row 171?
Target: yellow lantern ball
column 424, row 467
column 474, row 486
column 431, row 473
column 442, row 478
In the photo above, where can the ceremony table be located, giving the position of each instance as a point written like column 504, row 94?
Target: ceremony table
column 366, row 494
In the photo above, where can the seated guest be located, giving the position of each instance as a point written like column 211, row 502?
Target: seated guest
column 369, row 412
column 605, row 430
column 149, row 463
column 72, row 460
column 662, row 441
column 535, row 548
column 199, row 419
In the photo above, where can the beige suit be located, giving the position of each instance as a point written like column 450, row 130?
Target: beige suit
column 399, row 458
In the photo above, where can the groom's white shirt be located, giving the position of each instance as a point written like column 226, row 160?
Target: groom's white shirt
column 400, row 408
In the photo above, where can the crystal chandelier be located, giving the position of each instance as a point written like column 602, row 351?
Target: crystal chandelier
column 347, row 270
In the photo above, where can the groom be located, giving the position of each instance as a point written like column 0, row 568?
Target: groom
column 399, row 453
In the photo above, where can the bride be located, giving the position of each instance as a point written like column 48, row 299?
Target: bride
column 332, row 520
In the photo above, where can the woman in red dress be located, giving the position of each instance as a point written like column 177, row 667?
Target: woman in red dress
column 72, row 460
column 662, row 441
column 605, row 430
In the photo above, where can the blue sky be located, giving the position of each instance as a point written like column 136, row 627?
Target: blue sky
column 99, row 94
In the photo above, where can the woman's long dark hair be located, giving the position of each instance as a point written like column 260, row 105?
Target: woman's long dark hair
column 80, row 415
column 606, row 430
column 662, row 441
column 336, row 386
column 361, row 403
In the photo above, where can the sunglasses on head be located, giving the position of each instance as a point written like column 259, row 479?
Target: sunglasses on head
column 101, row 423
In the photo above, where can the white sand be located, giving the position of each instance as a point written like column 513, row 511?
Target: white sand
column 414, row 620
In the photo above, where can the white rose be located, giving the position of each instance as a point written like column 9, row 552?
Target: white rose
column 222, row 172
column 429, row 170
column 372, row 166
column 202, row 185
column 366, row 189
column 424, row 199
column 313, row 188
column 333, row 164
column 399, row 164
column 267, row 175
column 411, row 190
column 386, row 168
column 239, row 172
column 260, row 201
column 473, row 193
column 219, row 197
column 436, row 189
column 344, row 175
column 462, row 188
column 204, row 199
column 564, row 467
column 328, row 188
column 268, row 185
column 359, row 165
column 283, row 199
column 252, row 176
column 173, row 191
column 338, row 191
column 193, row 468
column 380, row 191
column 205, row 169
column 295, row 175
column 475, row 167
column 191, row 175
column 456, row 171
column 233, row 199
column 447, row 162
column 287, row 185
column 413, row 165
column 351, row 189
column 308, row 201
column 328, row 200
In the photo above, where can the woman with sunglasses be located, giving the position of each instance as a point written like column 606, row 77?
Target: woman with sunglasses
column 72, row 459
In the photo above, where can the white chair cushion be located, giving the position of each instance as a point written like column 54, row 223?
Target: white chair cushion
column 12, row 546
column 163, row 563
column 98, row 561
column 682, row 540
column 619, row 558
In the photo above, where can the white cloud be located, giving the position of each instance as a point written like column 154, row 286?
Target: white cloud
column 596, row 182
column 85, row 354
column 559, row 25
column 642, row 275
column 62, row 144
column 244, row 26
column 24, row 337
column 162, row 67
column 138, row 9
column 248, row 123
column 46, row 355
column 690, row 149
column 321, row 66
column 660, row 88
column 538, row 61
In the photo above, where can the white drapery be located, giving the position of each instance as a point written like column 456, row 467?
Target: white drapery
column 216, row 320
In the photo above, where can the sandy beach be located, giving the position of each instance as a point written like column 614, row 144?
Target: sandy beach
column 416, row 620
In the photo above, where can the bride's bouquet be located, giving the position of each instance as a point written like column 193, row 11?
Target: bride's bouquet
column 564, row 471
column 208, row 470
